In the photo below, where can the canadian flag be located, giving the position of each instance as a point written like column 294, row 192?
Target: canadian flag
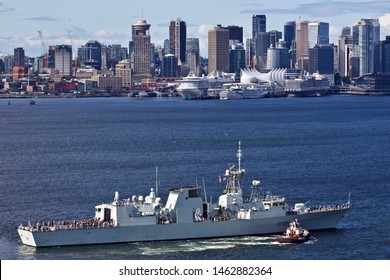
column 219, row 179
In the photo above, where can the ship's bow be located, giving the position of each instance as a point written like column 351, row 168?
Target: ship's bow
column 27, row 237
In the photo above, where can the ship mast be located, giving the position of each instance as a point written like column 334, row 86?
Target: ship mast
column 156, row 180
column 239, row 155
column 234, row 177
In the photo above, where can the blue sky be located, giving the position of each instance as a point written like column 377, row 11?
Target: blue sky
column 110, row 22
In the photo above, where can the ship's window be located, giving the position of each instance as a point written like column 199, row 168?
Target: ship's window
column 98, row 210
column 193, row 193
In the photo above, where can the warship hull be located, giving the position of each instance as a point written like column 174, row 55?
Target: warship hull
column 178, row 231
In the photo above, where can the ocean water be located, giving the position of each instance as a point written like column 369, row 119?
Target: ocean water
column 61, row 157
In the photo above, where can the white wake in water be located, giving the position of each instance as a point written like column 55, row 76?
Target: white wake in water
column 156, row 248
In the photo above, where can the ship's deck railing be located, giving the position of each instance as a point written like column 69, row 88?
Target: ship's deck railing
column 315, row 209
column 69, row 225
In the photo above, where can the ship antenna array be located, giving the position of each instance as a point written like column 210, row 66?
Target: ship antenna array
column 239, row 155
column 156, row 180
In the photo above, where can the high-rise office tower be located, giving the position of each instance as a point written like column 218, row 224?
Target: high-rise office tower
column 344, row 47
column 63, row 60
column 259, row 25
column 274, row 37
column 235, row 34
column 321, row 59
column 123, row 69
column 318, row 33
column 289, row 33
column 385, row 55
column 346, row 31
column 193, row 45
column 302, row 45
column 2, row 68
column 366, row 34
column 289, row 38
column 193, row 55
column 19, row 57
column 278, row 56
column 262, row 44
column 249, row 52
column 236, row 59
column 115, row 53
column 177, row 39
column 169, row 66
column 167, row 48
column 142, row 53
column 93, row 52
column 218, row 49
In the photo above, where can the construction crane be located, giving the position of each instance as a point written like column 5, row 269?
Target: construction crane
column 3, row 54
column 71, row 42
column 73, row 52
column 45, row 52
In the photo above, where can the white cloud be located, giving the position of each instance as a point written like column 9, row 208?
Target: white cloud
column 203, row 30
column 334, row 33
column 203, row 35
column 385, row 25
column 327, row 8
column 5, row 9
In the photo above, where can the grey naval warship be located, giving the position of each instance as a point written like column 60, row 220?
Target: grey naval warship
column 184, row 216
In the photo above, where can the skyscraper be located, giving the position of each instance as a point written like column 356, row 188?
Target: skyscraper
column 278, row 56
column 289, row 33
column 19, row 57
column 115, row 53
column 218, row 49
column 193, row 55
column 177, row 39
column 236, row 59
column 366, row 34
column 123, row 69
column 169, row 66
column 274, row 37
column 235, row 34
column 249, row 52
column 385, row 55
column 259, row 26
column 318, row 33
column 63, row 60
column 262, row 43
column 344, row 46
column 302, row 45
column 142, row 53
column 321, row 59
column 346, row 31
column 93, row 54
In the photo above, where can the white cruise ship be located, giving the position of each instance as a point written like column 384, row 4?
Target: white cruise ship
column 242, row 91
column 307, row 85
column 193, row 87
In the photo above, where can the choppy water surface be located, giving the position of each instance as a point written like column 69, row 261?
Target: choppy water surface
column 61, row 157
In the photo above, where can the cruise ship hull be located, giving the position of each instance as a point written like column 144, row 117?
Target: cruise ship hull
column 231, row 95
column 177, row 231
column 192, row 93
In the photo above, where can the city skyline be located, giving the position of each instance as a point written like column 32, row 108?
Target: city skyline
column 75, row 23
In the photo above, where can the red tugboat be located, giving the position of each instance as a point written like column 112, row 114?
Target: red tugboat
column 294, row 234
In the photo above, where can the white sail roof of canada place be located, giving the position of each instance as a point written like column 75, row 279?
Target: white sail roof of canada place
column 254, row 76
